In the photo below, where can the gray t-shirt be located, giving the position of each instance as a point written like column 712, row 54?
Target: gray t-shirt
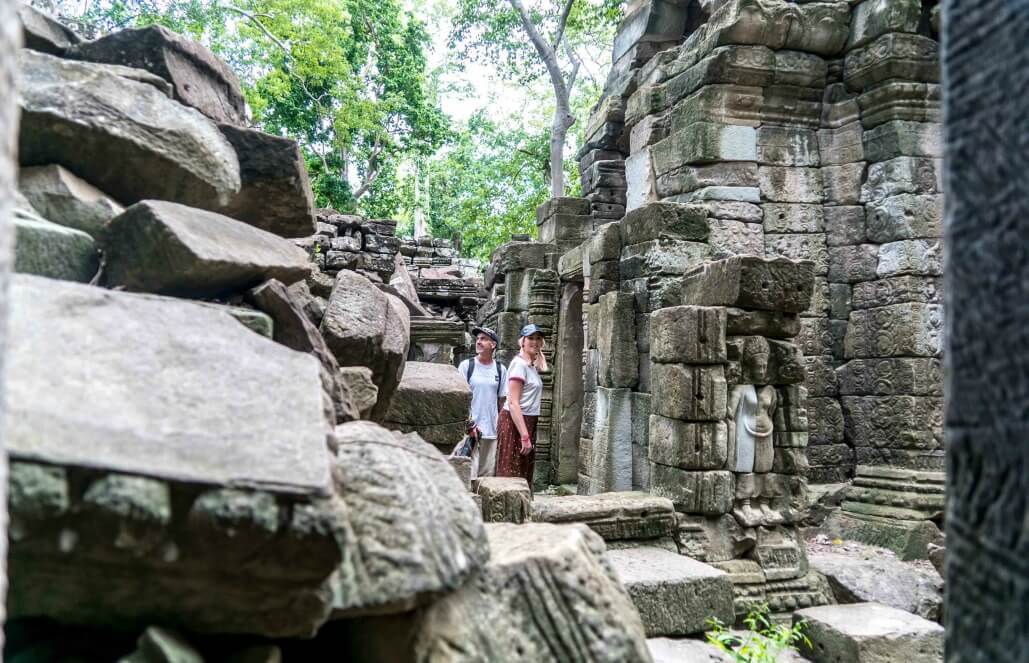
column 485, row 391
column 532, row 386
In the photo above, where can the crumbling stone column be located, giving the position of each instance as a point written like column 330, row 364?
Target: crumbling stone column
column 10, row 40
column 885, row 273
column 986, row 288
column 729, row 425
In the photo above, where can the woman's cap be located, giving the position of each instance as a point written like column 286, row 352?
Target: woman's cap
column 488, row 332
column 530, row 329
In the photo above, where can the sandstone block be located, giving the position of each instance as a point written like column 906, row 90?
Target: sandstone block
column 674, row 594
column 882, row 580
column 898, row 330
column 843, row 183
column 47, row 249
column 432, row 400
column 640, row 180
column 900, row 100
column 43, row 32
column 820, row 377
column 504, row 499
column 918, row 257
column 826, row 421
column 733, row 238
column 688, row 335
column 390, row 485
column 762, row 21
column 897, row 290
column 365, row 327
column 705, row 142
column 900, row 138
column 793, row 218
column 761, row 323
column 661, row 257
column 845, row 226
column 808, row 247
column 621, row 516
column 790, row 185
column 606, row 243
column 870, row 633
column 816, row 337
column 708, row 493
column 689, row 178
column 172, row 433
column 773, row 284
column 895, row 55
column 198, row 78
column 687, row 445
column 887, row 377
column 842, row 145
column 787, row 146
column 62, row 198
column 902, row 175
column 293, row 329
column 854, row 263
column 157, row 246
column 616, row 341
column 690, row 393
column 275, row 192
column 734, row 105
column 588, row 615
column 878, row 424
column 657, row 221
column 905, row 216
column 874, row 18
column 514, row 256
column 685, row 650
column 125, row 137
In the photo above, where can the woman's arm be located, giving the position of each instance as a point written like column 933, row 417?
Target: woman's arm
column 514, row 397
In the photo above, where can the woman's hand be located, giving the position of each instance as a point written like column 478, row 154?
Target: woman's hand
column 526, row 445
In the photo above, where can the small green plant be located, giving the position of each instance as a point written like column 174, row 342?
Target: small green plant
column 763, row 642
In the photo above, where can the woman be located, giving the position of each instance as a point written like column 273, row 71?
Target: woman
column 516, row 429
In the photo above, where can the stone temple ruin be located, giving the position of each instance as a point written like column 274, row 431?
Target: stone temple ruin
column 225, row 409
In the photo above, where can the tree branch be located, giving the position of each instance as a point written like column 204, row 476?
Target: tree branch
column 546, row 52
column 322, row 115
column 373, row 170
column 562, row 22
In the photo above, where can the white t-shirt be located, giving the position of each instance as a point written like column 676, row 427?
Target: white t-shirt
column 485, row 391
column 532, row 386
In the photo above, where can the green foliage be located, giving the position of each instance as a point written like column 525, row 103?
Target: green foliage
column 492, row 31
column 346, row 78
column 765, row 642
column 487, row 184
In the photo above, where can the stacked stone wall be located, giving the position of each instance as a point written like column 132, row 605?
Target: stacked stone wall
column 809, row 131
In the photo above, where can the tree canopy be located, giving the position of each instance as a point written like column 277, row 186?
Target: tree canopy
column 353, row 82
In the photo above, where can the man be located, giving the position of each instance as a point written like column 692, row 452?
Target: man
column 487, row 378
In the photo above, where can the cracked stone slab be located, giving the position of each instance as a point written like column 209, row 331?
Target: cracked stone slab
column 159, row 387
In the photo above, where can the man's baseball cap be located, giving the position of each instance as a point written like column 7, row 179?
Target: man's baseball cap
column 488, row 332
column 530, row 329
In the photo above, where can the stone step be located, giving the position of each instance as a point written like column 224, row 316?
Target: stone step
column 674, row 594
column 870, row 633
column 614, row 516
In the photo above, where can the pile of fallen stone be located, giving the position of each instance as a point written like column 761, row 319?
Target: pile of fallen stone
column 187, row 399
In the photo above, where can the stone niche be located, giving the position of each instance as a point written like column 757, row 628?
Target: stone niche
column 729, row 425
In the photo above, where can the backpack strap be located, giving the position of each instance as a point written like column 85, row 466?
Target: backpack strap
column 471, row 369
column 500, row 367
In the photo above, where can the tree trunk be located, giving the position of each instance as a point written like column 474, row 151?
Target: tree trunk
column 563, row 120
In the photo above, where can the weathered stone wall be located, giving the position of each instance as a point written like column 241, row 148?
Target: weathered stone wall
column 987, row 285
column 810, row 131
column 10, row 40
